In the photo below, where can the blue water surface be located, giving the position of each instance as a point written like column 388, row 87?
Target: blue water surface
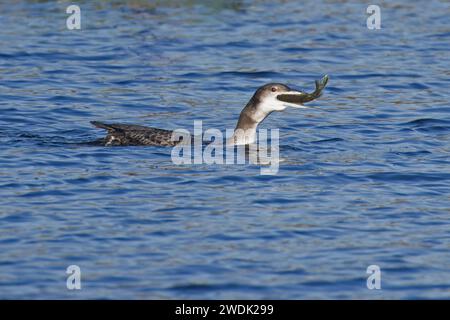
column 366, row 172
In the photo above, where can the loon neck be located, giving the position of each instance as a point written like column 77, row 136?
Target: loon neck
column 249, row 119
column 245, row 131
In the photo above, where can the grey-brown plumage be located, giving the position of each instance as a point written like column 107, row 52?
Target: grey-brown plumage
column 134, row 135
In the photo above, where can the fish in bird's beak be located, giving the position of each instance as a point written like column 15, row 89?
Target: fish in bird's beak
column 295, row 99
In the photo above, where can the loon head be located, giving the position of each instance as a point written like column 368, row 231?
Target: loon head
column 267, row 99
column 277, row 97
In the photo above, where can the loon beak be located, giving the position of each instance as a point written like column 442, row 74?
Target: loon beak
column 295, row 99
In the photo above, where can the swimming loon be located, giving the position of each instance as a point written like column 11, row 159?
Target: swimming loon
column 268, row 98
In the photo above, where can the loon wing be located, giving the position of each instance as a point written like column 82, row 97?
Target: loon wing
column 134, row 135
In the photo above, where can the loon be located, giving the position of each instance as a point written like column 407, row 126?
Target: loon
column 267, row 99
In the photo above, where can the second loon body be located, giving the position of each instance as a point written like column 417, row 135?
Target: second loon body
column 268, row 98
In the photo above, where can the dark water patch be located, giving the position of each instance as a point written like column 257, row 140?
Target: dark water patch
column 274, row 201
column 330, row 140
column 376, row 75
column 412, row 153
column 214, row 287
column 233, row 74
column 416, row 85
column 435, row 129
column 429, row 125
column 409, row 177
column 250, row 74
column 44, row 193
column 301, row 50
column 426, row 122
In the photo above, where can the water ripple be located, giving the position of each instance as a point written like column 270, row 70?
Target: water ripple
column 363, row 179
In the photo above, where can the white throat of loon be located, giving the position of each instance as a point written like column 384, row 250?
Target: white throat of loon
column 267, row 99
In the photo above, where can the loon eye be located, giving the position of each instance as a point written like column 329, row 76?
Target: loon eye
column 274, row 89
